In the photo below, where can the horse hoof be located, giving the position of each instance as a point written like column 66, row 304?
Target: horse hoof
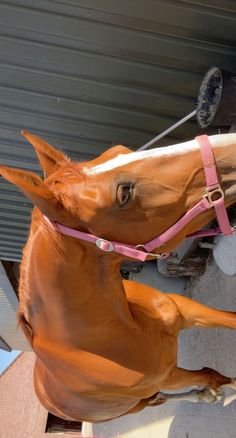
column 210, row 395
column 232, row 384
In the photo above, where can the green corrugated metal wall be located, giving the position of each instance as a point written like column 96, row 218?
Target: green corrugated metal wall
column 85, row 74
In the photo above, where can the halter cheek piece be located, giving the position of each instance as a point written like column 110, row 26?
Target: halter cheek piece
column 213, row 197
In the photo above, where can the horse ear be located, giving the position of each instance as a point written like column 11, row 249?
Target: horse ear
column 49, row 157
column 34, row 188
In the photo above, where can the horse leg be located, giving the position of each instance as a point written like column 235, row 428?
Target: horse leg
column 159, row 398
column 195, row 314
column 206, row 378
column 210, row 380
column 195, row 396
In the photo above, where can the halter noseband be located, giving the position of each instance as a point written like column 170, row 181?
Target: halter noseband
column 213, row 197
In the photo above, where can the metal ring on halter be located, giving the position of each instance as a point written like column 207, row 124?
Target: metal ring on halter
column 161, row 256
column 104, row 245
column 210, row 193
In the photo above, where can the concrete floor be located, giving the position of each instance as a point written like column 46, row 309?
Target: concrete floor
column 214, row 348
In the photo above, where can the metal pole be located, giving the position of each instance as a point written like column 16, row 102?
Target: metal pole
column 158, row 137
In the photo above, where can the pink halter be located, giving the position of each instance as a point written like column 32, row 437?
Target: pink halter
column 213, row 197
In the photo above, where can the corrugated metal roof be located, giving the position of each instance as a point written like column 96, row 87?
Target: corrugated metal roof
column 85, row 74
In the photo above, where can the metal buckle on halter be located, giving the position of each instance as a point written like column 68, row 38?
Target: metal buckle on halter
column 104, row 245
column 210, row 194
column 161, row 256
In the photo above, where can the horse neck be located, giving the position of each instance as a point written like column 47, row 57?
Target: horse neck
column 68, row 280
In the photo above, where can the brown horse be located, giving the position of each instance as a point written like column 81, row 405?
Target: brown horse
column 107, row 347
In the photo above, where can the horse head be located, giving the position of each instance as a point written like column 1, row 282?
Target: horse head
column 125, row 196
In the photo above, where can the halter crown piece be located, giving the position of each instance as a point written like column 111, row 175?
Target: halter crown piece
column 213, row 197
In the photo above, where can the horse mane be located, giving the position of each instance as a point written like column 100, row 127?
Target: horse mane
column 27, row 308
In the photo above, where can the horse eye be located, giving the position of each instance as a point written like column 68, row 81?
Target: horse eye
column 124, row 193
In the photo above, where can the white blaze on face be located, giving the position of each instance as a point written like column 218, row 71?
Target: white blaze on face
column 221, row 140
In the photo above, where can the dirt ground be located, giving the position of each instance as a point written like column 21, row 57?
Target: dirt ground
column 214, row 348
